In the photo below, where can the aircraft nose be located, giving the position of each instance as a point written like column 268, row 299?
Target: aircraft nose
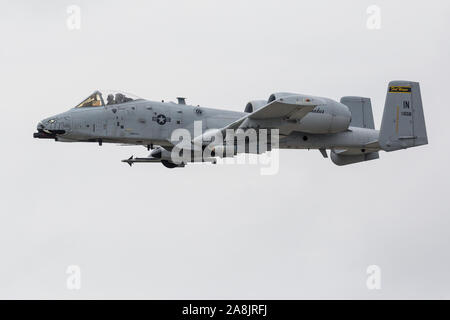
column 49, row 129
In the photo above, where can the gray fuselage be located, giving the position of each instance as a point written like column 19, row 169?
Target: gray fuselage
column 144, row 122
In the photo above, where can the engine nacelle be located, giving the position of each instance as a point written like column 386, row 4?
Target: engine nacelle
column 254, row 105
column 328, row 116
column 278, row 95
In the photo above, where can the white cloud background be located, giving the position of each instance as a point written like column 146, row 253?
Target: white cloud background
column 220, row 231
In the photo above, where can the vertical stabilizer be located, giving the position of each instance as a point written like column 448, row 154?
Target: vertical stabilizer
column 361, row 110
column 403, row 124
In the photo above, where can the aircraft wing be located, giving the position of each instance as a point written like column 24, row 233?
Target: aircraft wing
column 287, row 109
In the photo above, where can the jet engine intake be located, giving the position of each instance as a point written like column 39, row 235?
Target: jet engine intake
column 254, row 105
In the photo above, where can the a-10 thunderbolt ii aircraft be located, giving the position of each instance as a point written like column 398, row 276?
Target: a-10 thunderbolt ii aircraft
column 302, row 122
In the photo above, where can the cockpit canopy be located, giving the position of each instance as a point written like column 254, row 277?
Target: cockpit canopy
column 106, row 98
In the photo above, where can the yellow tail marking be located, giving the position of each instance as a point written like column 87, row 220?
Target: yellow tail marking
column 396, row 121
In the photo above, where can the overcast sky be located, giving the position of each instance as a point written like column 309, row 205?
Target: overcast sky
column 207, row 231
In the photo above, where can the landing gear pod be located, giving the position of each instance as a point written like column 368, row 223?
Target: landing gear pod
column 341, row 159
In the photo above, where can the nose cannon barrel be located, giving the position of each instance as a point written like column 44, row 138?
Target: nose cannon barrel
column 47, row 134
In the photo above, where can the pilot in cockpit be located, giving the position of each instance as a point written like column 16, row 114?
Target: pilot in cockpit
column 119, row 98
column 110, row 100
column 96, row 99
